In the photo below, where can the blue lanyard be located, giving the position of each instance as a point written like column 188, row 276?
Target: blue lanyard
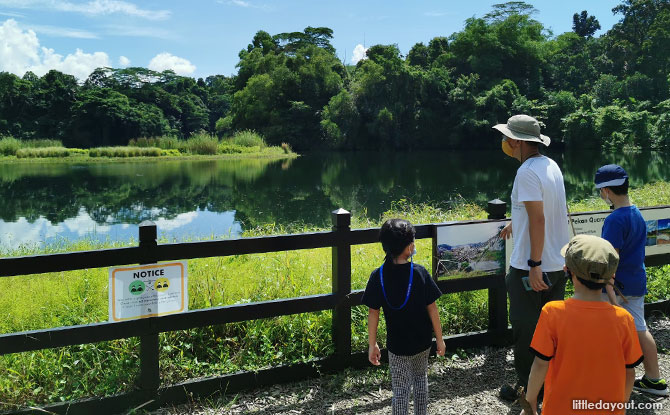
column 409, row 286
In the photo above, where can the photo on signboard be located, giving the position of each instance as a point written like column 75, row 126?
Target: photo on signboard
column 663, row 232
column 652, row 230
column 470, row 250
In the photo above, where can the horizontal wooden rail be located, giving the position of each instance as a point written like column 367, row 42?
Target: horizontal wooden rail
column 97, row 332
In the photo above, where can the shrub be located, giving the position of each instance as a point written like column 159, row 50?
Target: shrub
column 42, row 152
column 227, row 147
column 201, row 143
column 162, row 142
column 248, row 138
column 125, row 152
column 9, row 146
column 41, row 143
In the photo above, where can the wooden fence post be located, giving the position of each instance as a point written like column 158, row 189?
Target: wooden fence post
column 341, row 281
column 149, row 379
column 497, row 209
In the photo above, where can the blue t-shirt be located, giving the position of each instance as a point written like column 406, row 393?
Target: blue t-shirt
column 626, row 230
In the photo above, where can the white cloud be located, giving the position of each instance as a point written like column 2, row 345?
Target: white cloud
column 18, row 15
column 180, row 220
column 245, row 4
column 165, row 60
column 436, row 14
column 20, row 51
column 123, row 61
column 94, row 7
column 359, row 54
column 63, row 32
column 140, row 31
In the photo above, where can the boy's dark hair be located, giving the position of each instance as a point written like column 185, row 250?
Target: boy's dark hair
column 395, row 235
column 592, row 285
column 620, row 190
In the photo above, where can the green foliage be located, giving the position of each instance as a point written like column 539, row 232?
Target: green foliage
column 125, row 152
column 42, row 152
column 585, row 25
column 9, row 146
column 201, row 143
column 292, row 88
column 163, row 142
column 248, row 138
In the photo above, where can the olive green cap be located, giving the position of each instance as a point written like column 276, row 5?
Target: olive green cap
column 591, row 258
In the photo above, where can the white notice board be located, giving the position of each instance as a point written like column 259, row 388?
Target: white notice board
column 657, row 220
column 147, row 291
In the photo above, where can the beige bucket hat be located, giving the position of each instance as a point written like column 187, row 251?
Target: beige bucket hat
column 523, row 127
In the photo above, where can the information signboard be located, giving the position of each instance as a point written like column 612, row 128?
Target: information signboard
column 147, row 291
column 474, row 249
column 656, row 218
column 470, row 250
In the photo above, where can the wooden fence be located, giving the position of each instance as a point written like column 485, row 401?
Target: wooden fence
column 150, row 394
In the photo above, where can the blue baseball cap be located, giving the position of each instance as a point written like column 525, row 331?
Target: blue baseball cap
column 610, row 175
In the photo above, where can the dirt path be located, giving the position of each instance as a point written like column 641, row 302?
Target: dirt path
column 459, row 385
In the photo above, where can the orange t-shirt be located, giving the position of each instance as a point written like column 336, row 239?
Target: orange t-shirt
column 588, row 345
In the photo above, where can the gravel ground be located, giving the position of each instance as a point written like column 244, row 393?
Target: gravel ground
column 465, row 383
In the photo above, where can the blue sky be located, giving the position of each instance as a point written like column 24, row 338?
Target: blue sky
column 203, row 37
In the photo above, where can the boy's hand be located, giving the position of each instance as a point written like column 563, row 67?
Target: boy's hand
column 374, row 354
column 441, row 347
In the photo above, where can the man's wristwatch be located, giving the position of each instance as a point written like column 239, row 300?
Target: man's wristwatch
column 534, row 264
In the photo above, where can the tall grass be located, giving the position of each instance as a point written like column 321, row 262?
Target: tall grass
column 125, row 152
column 163, row 142
column 248, row 138
column 42, row 152
column 201, row 143
column 38, row 143
column 9, row 146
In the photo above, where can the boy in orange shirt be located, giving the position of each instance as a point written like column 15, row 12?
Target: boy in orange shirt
column 585, row 349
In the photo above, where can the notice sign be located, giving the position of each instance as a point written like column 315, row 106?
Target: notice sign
column 147, row 291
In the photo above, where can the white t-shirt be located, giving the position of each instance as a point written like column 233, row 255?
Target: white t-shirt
column 539, row 179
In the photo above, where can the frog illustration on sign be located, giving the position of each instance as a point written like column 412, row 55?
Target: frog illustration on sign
column 162, row 284
column 136, row 287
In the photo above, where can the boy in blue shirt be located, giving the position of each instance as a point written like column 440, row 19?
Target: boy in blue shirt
column 626, row 230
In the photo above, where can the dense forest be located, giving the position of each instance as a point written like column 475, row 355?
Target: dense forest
column 609, row 92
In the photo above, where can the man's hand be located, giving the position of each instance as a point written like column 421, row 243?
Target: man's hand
column 506, row 232
column 535, row 279
column 441, row 347
column 374, row 354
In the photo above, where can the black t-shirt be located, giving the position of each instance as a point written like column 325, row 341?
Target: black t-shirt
column 408, row 330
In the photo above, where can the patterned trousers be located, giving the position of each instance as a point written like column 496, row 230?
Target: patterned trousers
column 405, row 372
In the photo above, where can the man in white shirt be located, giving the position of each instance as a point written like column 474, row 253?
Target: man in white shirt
column 540, row 229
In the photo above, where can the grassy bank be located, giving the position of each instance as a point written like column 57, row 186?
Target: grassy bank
column 240, row 145
column 80, row 297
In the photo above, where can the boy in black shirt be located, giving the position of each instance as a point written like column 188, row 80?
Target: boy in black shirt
column 407, row 293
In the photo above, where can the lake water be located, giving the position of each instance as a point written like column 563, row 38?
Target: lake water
column 50, row 203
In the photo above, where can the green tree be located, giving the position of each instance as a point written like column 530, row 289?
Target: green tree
column 585, row 25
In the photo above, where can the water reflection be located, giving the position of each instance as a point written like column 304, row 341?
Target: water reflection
column 215, row 198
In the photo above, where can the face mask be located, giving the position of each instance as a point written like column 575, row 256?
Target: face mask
column 506, row 148
column 605, row 198
column 414, row 251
